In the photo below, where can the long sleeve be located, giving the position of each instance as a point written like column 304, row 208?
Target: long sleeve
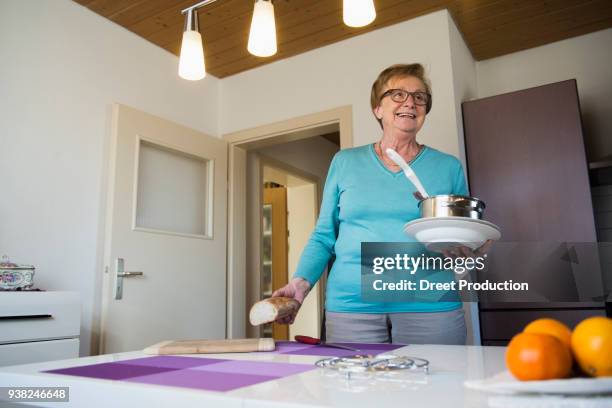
column 320, row 247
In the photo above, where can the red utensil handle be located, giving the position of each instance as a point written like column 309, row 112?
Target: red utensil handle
column 308, row 340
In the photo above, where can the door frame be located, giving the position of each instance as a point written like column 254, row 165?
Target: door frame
column 302, row 127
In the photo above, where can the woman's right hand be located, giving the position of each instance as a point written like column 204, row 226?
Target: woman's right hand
column 296, row 289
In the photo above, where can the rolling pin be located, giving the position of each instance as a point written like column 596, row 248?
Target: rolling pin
column 211, row 346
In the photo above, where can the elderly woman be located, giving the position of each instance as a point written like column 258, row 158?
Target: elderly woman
column 367, row 199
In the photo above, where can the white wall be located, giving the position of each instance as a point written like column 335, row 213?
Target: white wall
column 587, row 58
column 342, row 74
column 312, row 155
column 62, row 68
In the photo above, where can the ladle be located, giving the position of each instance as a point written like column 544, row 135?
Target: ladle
column 410, row 174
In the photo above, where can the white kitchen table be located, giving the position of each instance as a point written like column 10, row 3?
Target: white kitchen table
column 450, row 366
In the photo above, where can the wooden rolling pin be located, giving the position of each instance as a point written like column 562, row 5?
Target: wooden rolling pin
column 211, row 346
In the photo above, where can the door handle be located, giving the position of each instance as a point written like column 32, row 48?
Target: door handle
column 121, row 273
column 128, row 274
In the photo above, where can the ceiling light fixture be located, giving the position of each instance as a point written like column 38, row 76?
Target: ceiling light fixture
column 262, row 36
column 358, row 13
column 191, row 61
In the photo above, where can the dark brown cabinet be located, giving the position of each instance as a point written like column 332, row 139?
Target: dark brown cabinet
column 526, row 159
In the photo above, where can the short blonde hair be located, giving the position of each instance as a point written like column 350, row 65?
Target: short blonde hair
column 398, row 71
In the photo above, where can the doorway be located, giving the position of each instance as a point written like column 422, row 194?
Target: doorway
column 282, row 207
column 282, row 142
column 289, row 213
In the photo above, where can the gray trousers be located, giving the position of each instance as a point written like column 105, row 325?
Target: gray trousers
column 402, row 328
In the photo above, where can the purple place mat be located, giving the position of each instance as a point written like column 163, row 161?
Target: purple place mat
column 295, row 348
column 202, row 380
column 189, row 372
column 176, row 362
column 110, row 371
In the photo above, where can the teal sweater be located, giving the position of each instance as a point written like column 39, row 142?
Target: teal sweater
column 363, row 201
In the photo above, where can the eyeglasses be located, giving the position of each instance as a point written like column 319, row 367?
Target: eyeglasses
column 401, row 96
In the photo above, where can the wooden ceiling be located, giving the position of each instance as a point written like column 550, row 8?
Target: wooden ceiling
column 490, row 27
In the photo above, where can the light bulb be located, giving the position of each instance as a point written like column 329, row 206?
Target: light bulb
column 358, row 13
column 191, row 62
column 262, row 36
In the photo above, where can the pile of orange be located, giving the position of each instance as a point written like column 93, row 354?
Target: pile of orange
column 547, row 349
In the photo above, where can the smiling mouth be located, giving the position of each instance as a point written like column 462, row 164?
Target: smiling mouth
column 406, row 115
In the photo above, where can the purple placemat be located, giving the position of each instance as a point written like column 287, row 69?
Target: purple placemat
column 189, row 372
column 295, row 348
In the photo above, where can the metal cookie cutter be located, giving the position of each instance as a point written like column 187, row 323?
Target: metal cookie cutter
column 381, row 363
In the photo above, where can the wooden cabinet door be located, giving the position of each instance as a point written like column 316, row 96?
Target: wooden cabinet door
column 275, row 246
column 526, row 159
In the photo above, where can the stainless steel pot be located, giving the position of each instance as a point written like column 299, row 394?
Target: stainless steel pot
column 450, row 205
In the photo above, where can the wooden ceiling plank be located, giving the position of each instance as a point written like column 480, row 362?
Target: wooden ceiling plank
column 546, row 29
column 150, row 11
column 474, row 28
column 235, row 26
column 484, row 9
column 534, row 25
column 83, row 2
column 108, row 8
column 171, row 20
column 556, row 33
column 494, row 52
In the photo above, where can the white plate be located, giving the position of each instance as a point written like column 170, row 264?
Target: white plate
column 439, row 233
column 505, row 383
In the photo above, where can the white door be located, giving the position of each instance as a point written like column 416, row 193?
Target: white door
column 167, row 219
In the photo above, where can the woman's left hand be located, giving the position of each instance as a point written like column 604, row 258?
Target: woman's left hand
column 466, row 252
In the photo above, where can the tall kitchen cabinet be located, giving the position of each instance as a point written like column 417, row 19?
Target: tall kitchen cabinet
column 526, row 159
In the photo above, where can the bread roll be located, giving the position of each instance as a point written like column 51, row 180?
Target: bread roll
column 269, row 310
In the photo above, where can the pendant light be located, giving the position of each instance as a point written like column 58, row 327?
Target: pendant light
column 262, row 35
column 191, row 61
column 358, row 13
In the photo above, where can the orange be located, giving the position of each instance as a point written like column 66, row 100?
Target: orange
column 552, row 327
column 592, row 346
column 536, row 356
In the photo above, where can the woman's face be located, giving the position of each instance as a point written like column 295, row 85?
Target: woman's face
column 406, row 117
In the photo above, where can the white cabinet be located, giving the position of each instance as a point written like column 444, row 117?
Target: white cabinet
column 38, row 326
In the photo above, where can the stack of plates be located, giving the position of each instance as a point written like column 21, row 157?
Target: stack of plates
column 440, row 233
